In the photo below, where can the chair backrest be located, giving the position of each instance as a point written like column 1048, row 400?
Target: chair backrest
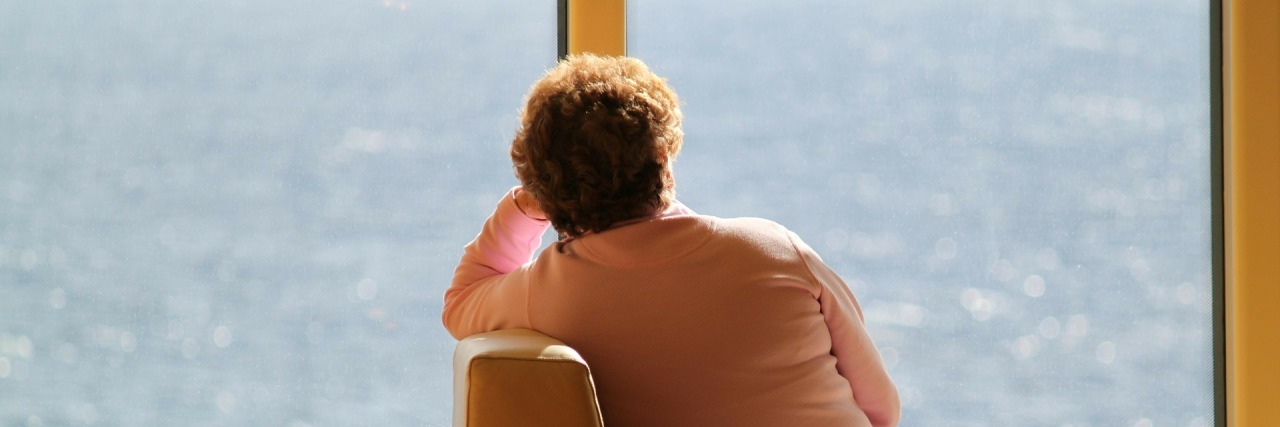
column 519, row 377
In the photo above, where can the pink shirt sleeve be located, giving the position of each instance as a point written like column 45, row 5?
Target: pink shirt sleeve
column 857, row 358
column 490, row 288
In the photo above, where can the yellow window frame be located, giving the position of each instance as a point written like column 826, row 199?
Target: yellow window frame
column 596, row 26
column 1251, row 36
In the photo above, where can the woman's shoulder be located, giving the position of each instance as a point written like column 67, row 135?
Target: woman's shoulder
column 750, row 225
column 760, row 233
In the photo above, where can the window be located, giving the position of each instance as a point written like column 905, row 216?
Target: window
column 246, row 213
column 1018, row 192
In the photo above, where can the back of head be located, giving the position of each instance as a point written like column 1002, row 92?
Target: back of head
column 596, row 142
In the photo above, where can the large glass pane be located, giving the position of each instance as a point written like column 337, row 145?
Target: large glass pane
column 1018, row 192
column 243, row 212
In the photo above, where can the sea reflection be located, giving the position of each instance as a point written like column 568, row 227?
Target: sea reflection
column 1026, row 346
column 222, row 336
column 1106, row 352
column 981, row 306
column 226, row 402
column 1034, row 286
column 901, row 314
column 890, row 357
column 945, row 248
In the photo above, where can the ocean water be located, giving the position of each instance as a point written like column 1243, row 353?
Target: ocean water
column 246, row 213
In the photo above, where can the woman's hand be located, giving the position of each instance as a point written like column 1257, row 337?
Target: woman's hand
column 527, row 204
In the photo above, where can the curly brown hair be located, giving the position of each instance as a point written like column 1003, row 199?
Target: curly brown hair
column 596, row 142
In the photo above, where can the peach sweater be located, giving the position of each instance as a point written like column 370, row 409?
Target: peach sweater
column 685, row 320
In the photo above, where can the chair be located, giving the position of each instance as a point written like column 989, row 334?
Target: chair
column 520, row 377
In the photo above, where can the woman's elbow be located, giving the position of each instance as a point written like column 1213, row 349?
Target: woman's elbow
column 451, row 319
column 889, row 420
column 887, row 412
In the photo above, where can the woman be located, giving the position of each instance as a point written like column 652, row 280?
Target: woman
column 685, row 319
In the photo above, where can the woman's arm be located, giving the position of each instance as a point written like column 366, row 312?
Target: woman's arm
column 857, row 358
column 490, row 286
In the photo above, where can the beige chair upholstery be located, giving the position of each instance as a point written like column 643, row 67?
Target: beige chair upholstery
column 519, row 377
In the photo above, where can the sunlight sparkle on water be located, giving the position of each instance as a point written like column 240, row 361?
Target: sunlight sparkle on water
column 29, row 259
column 222, row 337
column 128, row 342
column 1106, row 352
column 88, row 413
column 226, row 402
column 25, row 347
column 1026, row 346
column 105, row 336
column 1049, row 327
column 401, row 6
column 911, row 314
column 1186, row 293
column 945, row 248
column 174, row 330
column 1140, row 270
column 367, row 289
column 66, row 352
column 20, row 346
column 904, row 314
column 1047, row 259
column 1033, row 286
column 1078, row 326
column 979, row 306
column 1003, row 270
column 890, row 357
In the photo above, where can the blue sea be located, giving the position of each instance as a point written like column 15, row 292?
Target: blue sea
column 241, row 213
